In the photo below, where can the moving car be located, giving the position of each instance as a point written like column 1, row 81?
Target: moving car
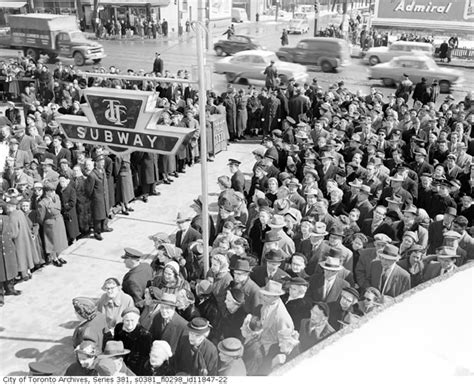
column 416, row 67
column 327, row 52
column 246, row 66
column 378, row 55
column 298, row 25
column 236, row 44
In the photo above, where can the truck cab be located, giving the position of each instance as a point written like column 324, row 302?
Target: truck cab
column 54, row 35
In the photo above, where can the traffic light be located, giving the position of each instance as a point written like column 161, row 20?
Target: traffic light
column 316, row 6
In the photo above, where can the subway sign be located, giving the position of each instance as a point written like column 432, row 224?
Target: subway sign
column 123, row 120
column 426, row 10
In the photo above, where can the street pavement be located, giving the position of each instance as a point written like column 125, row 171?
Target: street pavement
column 181, row 54
column 38, row 324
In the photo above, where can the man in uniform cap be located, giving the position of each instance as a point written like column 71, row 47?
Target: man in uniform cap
column 238, row 178
column 39, row 368
column 135, row 280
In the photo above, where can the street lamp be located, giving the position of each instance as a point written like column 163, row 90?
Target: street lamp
column 316, row 17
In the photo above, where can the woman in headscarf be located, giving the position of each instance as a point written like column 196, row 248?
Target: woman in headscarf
column 185, row 306
column 164, row 254
column 171, row 280
column 220, row 277
column 159, row 361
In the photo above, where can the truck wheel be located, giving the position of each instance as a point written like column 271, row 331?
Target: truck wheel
column 96, row 61
column 33, row 53
column 326, row 66
column 79, row 59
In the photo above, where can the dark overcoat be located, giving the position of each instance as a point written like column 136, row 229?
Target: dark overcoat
column 68, row 198
column 135, row 281
column 97, row 190
column 8, row 263
column 139, row 343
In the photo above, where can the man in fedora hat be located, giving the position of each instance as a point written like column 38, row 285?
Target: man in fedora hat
column 323, row 215
column 241, row 272
column 363, row 204
column 196, row 355
column 285, row 242
column 135, row 280
column 167, row 324
column 396, row 188
column 315, row 328
column 270, row 269
column 186, row 234
column 274, row 315
column 342, row 309
column 445, row 262
column 421, row 165
column 438, row 227
column 386, row 275
column 238, row 178
column 327, row 282
column 196, row 222
column 366, row 256
column 327, row 170
column 21, row 158
column 86, row 355
column 112, row 358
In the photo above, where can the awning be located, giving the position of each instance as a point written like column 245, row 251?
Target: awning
column 428, row 25
column 12, row 4
column 135, row 3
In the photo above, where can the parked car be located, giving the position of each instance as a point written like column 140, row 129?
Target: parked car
column 239, row 15
column 416, row 67
column 236, row 44
column 248, row 66
column 327, row 52
column 379, row 55
column 298, row 25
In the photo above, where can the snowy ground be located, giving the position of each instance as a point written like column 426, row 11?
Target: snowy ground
column 428, row 335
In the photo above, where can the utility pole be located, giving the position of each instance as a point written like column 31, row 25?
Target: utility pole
column 316, row 17
column 202, row 122
column 277, row 9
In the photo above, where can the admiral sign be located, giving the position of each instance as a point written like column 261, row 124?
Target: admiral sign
column 123, row 120
column 424, row 10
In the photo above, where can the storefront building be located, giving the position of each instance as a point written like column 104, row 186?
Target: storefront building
column 430, row 16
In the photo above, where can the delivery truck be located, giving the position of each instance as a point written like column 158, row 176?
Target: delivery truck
column 54, row 35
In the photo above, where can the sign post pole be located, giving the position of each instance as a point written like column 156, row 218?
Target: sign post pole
column 202, row 122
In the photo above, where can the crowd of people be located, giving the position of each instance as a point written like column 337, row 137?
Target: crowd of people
column 353, row 200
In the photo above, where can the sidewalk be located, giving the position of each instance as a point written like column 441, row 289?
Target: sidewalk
column 38, row 325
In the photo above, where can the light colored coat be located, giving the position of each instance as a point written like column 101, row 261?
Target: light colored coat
column 274, row 319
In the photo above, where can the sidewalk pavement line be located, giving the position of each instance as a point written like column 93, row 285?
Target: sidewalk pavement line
column 115, row 219
column 37, row 340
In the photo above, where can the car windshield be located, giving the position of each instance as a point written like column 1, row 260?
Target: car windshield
column 77, row 36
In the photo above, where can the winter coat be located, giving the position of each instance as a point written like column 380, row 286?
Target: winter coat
column 54, row 230
column 8, row 261
column 68, row 198
column 139, row 343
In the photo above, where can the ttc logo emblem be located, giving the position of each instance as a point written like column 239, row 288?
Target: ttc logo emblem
column 115, row 111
